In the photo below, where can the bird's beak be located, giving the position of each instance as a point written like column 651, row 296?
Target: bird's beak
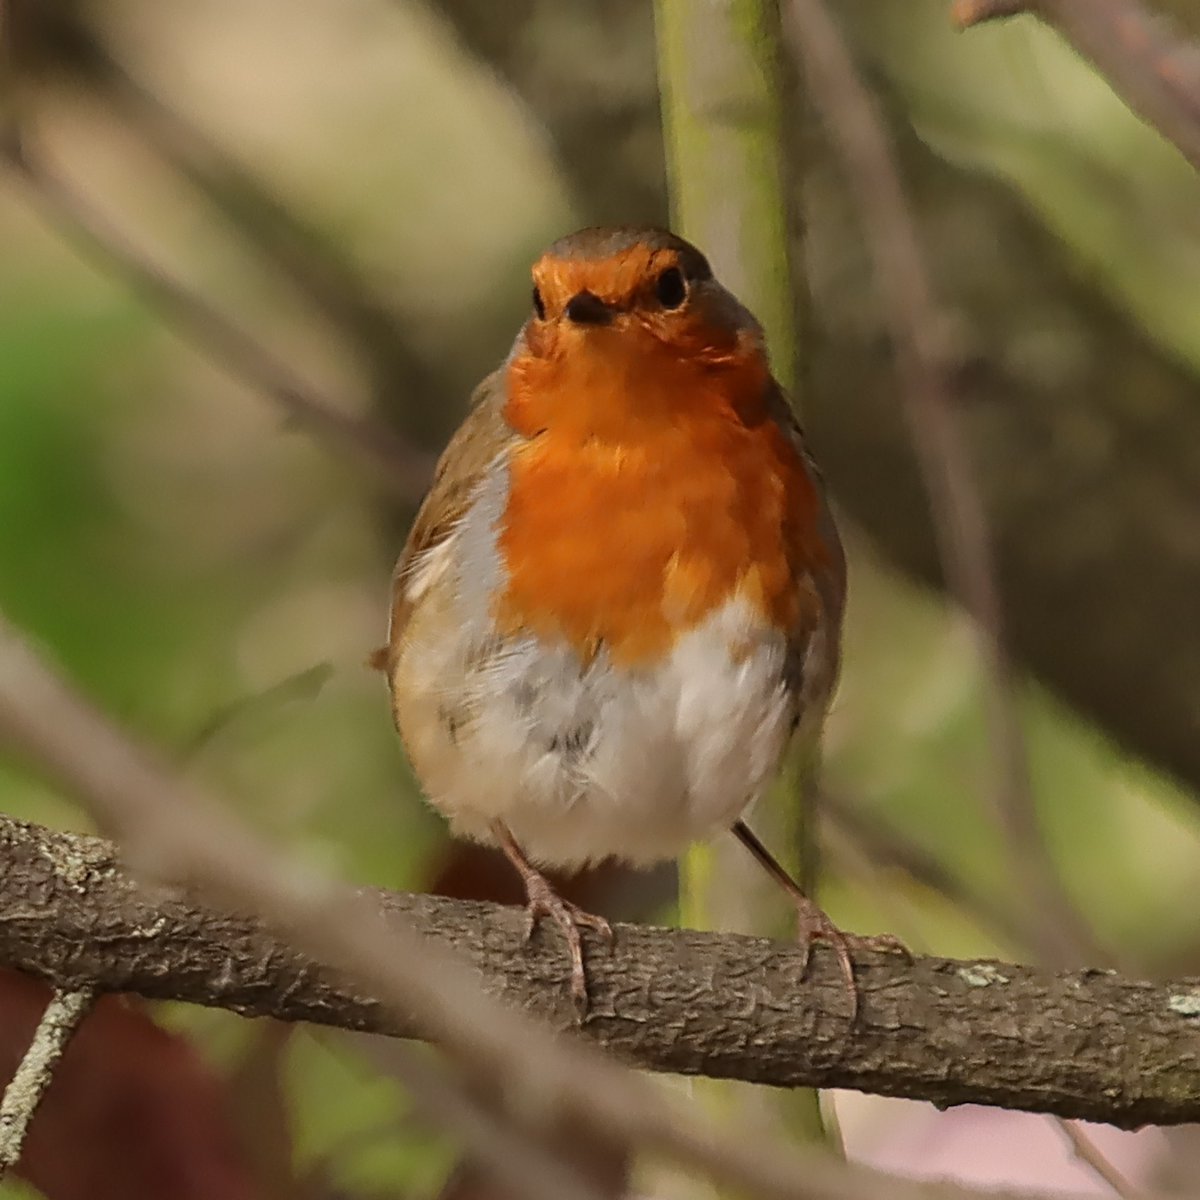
column 586, row 308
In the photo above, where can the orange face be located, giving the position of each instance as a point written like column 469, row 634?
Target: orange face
column 639, row 297
column 656, row 482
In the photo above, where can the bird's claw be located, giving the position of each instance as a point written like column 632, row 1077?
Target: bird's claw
column 813, row 925
column 544, row 901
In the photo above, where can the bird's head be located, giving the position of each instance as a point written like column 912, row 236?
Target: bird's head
column 629, row 293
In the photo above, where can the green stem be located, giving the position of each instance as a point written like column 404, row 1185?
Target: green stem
column 721, row 80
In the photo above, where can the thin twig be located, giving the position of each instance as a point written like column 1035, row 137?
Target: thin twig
column 1148, row 62
column 960, row 523
column 24, row 1093
column 1090, row 1154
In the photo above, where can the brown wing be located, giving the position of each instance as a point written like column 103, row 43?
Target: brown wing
column 832, row 584
column 476, row 443
column 814, row 652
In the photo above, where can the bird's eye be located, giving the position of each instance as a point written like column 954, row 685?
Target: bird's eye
column 670, row 288
column 539, row 305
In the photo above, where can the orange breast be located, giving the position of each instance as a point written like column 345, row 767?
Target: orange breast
column 650, row 492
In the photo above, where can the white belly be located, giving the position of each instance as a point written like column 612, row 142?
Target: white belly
column 583, row 763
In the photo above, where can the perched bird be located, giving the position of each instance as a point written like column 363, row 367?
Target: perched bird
column 623, row 594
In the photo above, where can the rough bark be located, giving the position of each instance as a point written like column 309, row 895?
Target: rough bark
column 1087, row 1044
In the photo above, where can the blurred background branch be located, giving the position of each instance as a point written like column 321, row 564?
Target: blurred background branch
column 964, row 539
column 1145, row 58
column 33, row 34
column 398, row 468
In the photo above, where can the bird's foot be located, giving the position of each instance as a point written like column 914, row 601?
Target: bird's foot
column 544, row 901
column 813, row 925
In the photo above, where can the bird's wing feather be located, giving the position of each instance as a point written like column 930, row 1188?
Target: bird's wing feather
column 814, row 646
column 481, row 437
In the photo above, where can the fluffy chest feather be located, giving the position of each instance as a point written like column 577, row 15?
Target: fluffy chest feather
column 611, row 646
column 587, row 759
column 634, row 514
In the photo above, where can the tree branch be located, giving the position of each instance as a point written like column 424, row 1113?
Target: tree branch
column 1090, row 1044
column 1088, row 1153
column 1149, row 64
column 63, row 1015
column 179, row 835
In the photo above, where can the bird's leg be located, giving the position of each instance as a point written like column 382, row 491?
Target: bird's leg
column 544, row 901
column 812, row 924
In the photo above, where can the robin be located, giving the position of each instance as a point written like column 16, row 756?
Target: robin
column 622, row 596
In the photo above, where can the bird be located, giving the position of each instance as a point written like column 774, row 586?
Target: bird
column 622, row 596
